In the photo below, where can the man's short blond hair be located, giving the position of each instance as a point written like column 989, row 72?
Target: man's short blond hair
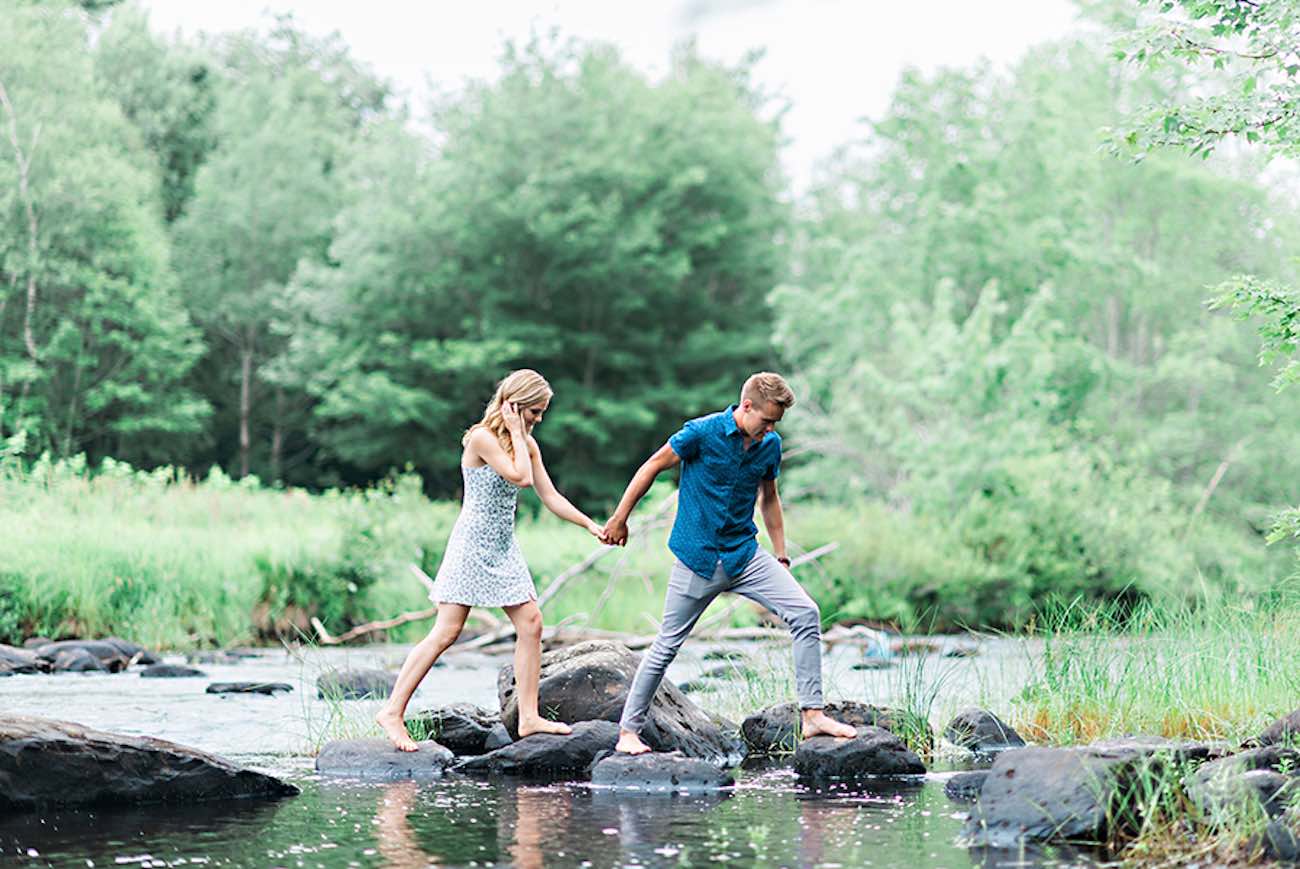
column 767, row 386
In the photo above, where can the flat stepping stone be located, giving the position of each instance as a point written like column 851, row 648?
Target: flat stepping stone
column 46, row 762
column 356, row 684
column 547, row 755
column 268, row 688
column 170, row 671
column 462, row 727
column 873, row 752
column 656, row 772
column 379, row 759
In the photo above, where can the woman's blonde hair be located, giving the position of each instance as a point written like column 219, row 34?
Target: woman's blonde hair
column 524, row 388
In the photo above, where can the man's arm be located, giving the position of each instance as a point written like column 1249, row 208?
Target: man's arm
column 773, row 518
column 663, row 459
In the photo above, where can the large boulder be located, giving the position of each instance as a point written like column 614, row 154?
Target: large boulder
column 590, row 681
column 547, row 755
column 981, row 731
column 15, row 660
column 775, row 728
column 379, row 759
column 873, row 752
column 462, row 727
column 1074, row 794
column 659, row 773
column 355, row 684
column 46, row 762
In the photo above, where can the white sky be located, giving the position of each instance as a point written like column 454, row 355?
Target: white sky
column 836, row 60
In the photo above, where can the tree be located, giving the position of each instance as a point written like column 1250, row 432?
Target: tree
column 93, row 343
column 265, row 200
column 618, row 235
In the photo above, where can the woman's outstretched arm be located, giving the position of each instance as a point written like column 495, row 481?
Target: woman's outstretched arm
column 554, row 501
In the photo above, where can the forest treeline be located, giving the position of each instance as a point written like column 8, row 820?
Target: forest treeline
column 245, row 252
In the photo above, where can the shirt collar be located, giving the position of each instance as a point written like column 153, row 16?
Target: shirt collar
column 729, row 421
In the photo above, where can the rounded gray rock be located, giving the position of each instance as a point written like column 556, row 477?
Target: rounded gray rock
column 656, row 772
column 873, row 752
column 379, row 759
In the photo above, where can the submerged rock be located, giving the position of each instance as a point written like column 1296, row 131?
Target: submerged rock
column 462, row 727
column 355, row 684
column 873, row 752
column 268, row 688
column 964, row 787
column 589, row 682
column 774, row 729
column 170, row 671
column 981, row 731
column 47, row 762
column 658, row 773
column 379, row 759
column 547, row 755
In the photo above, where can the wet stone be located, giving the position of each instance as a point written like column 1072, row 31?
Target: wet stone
column 170, row 671
column 547, row 755
column 379, row 759
column 47, row 762
column 78, row 661
column 981, row 731
column 964, row 787
column 774, row 729
column 355, row 684
column 73, row 655
column 656, row 772
column 462, row 727
column 268, row 688
column 498, row 737
column 873, row 752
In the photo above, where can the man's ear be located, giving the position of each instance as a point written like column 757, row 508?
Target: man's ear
column 746, row 405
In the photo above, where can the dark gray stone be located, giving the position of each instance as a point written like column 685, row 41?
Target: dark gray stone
column 547, row 755
column 268, row 688
column 1265, row 777
column 379, row 759
column 1280, row 841
column 873, row 752
column 133, row 652
column 45, row 762
column 170, row 671
column 1068, row 794
column 498, row 737
column 1286, row 730
column 355, row 684
column 774, row 729
column 964, row 787
column 659, row 773
column 78, row 661
column 462, row 727
column 33, row 643
column 16, row 660
column 981, row 731
column 590, row 681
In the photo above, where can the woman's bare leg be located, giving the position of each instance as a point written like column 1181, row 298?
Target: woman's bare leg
column 527, row 619
column 447, row 627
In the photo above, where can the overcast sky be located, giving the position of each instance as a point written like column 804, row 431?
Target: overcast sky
column 835, row 60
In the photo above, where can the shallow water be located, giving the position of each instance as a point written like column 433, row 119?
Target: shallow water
column 768, row 820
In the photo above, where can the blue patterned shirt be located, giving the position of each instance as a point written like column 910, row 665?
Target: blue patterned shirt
column 715, row 500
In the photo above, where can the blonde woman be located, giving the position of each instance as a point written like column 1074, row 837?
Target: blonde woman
column 482, row 564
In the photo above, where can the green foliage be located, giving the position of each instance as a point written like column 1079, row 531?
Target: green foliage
column 616, row 234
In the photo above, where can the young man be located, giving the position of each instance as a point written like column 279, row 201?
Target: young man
column 728, row 459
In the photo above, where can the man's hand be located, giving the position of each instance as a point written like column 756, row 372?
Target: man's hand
column 616, row 531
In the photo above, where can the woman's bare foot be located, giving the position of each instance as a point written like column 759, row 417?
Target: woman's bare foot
column 529, row 726
column 395, row 729
column 630, row 743
column 817, row 723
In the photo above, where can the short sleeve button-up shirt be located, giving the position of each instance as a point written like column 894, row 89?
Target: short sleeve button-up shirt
column 718, row 490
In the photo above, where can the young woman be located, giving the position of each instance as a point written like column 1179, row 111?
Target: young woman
column 482, row 565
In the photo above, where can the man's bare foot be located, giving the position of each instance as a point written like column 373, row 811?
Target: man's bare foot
column 395, row 729
column 529, row 726
column 817, row 723
column 630, row 743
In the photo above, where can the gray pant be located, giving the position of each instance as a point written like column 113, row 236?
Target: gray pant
column 763, row 581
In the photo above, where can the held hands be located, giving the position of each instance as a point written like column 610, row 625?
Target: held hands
column 598, row 531
column 616, row 532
